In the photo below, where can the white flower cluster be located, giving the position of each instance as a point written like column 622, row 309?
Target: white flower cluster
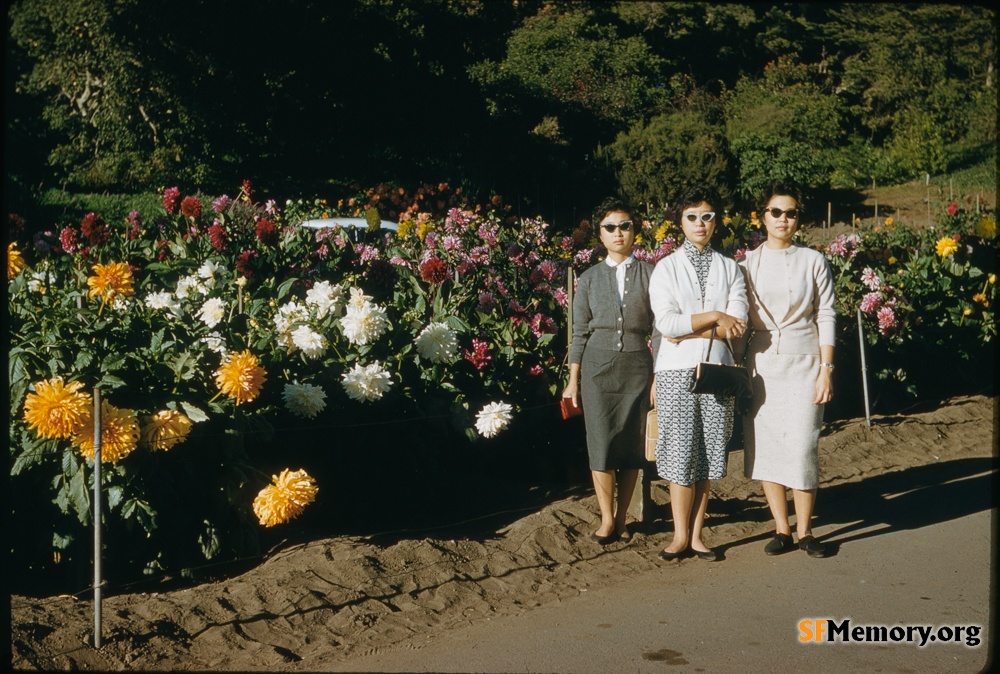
column 325, row 299
column 363, row 322
column 212, row 312
column 493, row 418
column 437, row 343
column 304, row 400
column 367, row 382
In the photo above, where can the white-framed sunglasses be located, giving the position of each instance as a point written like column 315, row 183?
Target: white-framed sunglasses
column 704, row 217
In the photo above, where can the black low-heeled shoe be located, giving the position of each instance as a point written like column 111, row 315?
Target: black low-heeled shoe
column 604, row 540
column 812, row 547
column 780, row 544
column 707, row 555
column 671, row 556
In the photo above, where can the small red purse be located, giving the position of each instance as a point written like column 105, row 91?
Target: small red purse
column 567, row 408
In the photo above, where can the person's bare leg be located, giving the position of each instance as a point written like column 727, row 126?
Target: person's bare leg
column 681, row 500
column 699, row 508
column 805, row 501
column 777, row 501
column 604, row 485
column 626, row 487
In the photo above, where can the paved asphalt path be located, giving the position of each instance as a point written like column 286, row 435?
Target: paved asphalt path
column 928, row 564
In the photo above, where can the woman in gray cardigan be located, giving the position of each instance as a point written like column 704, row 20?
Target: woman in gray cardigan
column 611, row 368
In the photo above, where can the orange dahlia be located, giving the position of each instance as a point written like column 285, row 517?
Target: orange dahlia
column 57, row 410
column 240, row 377
column 119, row 434
column 165, row 429
column 285, row 498
column 110, row 280
column 15, row 261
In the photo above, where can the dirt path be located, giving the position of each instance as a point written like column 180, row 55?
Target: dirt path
column 342, row 598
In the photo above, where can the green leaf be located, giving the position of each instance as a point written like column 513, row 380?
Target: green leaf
column 193, row 413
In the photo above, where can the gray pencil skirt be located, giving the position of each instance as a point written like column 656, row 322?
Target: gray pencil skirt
column 614, row 387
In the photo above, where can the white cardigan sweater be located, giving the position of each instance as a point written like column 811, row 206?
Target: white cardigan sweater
column 674, row 296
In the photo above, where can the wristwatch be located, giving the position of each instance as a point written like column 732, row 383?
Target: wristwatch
column 829, row 365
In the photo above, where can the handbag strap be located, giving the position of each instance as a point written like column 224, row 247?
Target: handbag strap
column 711, row 339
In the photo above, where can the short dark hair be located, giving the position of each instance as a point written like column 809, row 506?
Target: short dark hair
column 783, row 189
column 692, row 195
column 610, row 205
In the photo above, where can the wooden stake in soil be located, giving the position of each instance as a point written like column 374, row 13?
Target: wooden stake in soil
column 97, row 517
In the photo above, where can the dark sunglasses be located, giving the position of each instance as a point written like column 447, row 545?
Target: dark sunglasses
column 624, row 225
column 705, row 217
column 776, row 213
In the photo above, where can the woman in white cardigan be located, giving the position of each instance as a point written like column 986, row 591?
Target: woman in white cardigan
column 692, row 291
column 790, row 357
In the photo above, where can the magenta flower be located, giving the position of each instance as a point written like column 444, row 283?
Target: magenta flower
column 952, row 208
column 870, row 278
column 94, row 229
column 221, row 203
column 170, row 196
column 217, row 236
column 434, row 270
column 871, row 302
column 543, row 325
column 266, row 232
column 191, row 208
column 886, row 320
column 487, row 301
column 480, row 355
column 68, row 239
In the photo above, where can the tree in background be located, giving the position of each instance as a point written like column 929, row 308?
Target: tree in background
column 783, row 126
column 653, row 160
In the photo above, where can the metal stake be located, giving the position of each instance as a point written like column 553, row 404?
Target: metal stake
column 864, row 370
column 97, row 517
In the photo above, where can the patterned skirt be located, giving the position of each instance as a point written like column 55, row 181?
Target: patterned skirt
column 694, row 429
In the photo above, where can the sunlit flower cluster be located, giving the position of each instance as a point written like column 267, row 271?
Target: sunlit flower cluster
column 165, row 429
column 15, row 261
column 437, row 343
column 946, row 247
column 285, row 498
column 240, row 377
column 119, row 433
column 110, row 281
column 304, row 400
column 55, row 409
column 367, row 382
column 493, row 418
column 363, row 322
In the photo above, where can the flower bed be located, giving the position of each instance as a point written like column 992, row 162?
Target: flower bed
column 250, row 367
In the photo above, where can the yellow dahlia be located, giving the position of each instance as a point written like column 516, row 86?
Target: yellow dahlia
column 166, row 429
column 240, row 377
column 119, row 433
column 285, row 498
column 15, row 262
column 986, row 228
column 110, row 280
column 946, row 246
column 57, row 410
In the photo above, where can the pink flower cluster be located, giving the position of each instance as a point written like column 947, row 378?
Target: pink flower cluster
column 844, row 246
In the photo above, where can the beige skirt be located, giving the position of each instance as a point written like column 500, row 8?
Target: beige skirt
column 781, row 429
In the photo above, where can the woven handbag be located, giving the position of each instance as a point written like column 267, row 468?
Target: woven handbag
column 652, row 433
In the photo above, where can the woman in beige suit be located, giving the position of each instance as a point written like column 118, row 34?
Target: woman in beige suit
column 790, row 356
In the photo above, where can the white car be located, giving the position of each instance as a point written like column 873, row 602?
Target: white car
column 358, row 223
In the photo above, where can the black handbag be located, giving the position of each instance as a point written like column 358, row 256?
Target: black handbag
column 722, row 379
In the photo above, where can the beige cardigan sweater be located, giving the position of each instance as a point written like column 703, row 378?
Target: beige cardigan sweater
column 808, row 320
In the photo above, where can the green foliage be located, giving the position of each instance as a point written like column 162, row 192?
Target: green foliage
column 782, row 126
column 570, row 58
column 653, row 161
